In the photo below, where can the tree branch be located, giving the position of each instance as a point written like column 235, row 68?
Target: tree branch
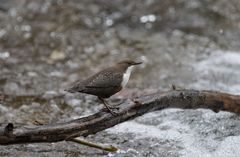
column 185, row 99
column 101, row 146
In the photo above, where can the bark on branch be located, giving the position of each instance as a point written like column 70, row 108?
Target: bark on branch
column 185, row 99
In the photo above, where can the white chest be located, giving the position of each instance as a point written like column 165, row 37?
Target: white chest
column 126, row 76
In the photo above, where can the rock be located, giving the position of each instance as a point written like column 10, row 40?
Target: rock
column 57, row 56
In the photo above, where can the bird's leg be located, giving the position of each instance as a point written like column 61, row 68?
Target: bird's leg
column 107, row 106
column 122, row 101
column 115, row 106
column 111, row 106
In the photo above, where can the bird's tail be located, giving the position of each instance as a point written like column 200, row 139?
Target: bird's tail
column 74, row 89
column 70, row 90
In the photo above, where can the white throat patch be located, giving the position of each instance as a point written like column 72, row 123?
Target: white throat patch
column 126, row 76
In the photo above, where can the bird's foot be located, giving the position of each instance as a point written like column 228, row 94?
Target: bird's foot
column 135, row 101
column 114, row 106
column 110, row 111
column 114, row 113
column 108, row 107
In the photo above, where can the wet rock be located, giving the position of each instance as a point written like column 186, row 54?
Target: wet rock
column 4, row 55
column 56, row 56
column 50, row 94
column 3, row 109
column 74, row 102
column 11, row 87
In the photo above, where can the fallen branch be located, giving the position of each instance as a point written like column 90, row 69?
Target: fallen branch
column 185, row 99
column 101, row 146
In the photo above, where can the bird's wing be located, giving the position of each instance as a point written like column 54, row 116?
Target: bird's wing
column 105, row 79
column 108, row 78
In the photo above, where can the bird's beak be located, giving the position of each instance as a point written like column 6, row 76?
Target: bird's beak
column 136, row 63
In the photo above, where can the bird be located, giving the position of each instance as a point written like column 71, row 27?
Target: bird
column 106, row 82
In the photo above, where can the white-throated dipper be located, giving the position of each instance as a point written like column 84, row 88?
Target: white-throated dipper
column 106, row 82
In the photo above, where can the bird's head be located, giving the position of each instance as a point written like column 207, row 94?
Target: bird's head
column 125, row 64
column 128, row 62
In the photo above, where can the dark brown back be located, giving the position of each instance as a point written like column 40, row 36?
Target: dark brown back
column 103, row 84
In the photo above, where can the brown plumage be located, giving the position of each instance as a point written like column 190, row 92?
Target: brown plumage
column 106, row 82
